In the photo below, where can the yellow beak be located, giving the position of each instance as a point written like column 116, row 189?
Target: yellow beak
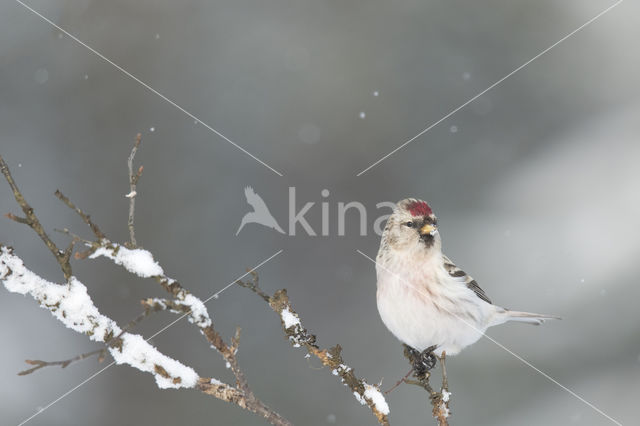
column 428, row 229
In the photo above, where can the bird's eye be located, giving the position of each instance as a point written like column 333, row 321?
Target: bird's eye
column 410, row 224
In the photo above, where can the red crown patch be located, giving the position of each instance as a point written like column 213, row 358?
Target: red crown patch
column 419, row 208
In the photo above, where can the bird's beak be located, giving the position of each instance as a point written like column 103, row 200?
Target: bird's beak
column 428, row 229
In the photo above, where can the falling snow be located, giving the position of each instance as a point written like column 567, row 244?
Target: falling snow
column 363, row 115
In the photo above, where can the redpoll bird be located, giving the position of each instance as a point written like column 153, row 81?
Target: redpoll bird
column 423, row 298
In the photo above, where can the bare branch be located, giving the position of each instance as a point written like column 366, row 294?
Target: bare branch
column 133, row 181
column 32, row 221
column 299, row 337
column 253, row 286
column 41, row 364
column 85, row 217
column 399, row 382
column 18, row 219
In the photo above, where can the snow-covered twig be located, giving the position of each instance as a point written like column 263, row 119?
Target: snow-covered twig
column 71, row 304
column 141, row 262
column 298, row 336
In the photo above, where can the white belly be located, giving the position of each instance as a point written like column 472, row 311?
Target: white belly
column 419, row 313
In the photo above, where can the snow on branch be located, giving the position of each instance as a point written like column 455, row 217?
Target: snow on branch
column 136, row 261
column 70, row 304
column 140, row 262
column 298, row 336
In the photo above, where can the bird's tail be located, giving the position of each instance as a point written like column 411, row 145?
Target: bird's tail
column 527, row 317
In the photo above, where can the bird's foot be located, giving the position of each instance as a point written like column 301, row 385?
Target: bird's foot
column 422, row 362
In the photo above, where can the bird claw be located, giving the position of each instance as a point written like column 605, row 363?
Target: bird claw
column 422, row 362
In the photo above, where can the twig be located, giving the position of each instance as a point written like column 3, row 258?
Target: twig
column 181, row 294
column 133, row 181
column 115, row 337
column 441, row 405
column 445, row 382
column 299, row 337
column 439, row 400
column 31, row 220
column 41, row 364
column 253, row 286
column 85, row 217
column 399, row 382
column 249, row 401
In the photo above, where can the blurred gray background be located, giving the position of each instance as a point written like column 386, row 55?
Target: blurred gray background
column 536, row 185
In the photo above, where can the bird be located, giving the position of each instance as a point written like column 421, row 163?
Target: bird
column 423, row 298
column 260, row 213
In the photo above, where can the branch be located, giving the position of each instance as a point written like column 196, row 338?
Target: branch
column 141, row 262
column 72, row 305
column 85, row 217
column 41, row 364
column 298, row 336
column 133, row 181
column 31, row 220
column 102, row 352
column 439, row 400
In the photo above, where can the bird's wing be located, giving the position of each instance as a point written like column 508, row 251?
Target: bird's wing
column 254, row 200
column 462, row 276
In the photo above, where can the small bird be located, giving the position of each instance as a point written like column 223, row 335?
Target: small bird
column 260, row 213
column 423, row 298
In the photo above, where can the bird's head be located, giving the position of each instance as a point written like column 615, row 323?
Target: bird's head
column 412, row 226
